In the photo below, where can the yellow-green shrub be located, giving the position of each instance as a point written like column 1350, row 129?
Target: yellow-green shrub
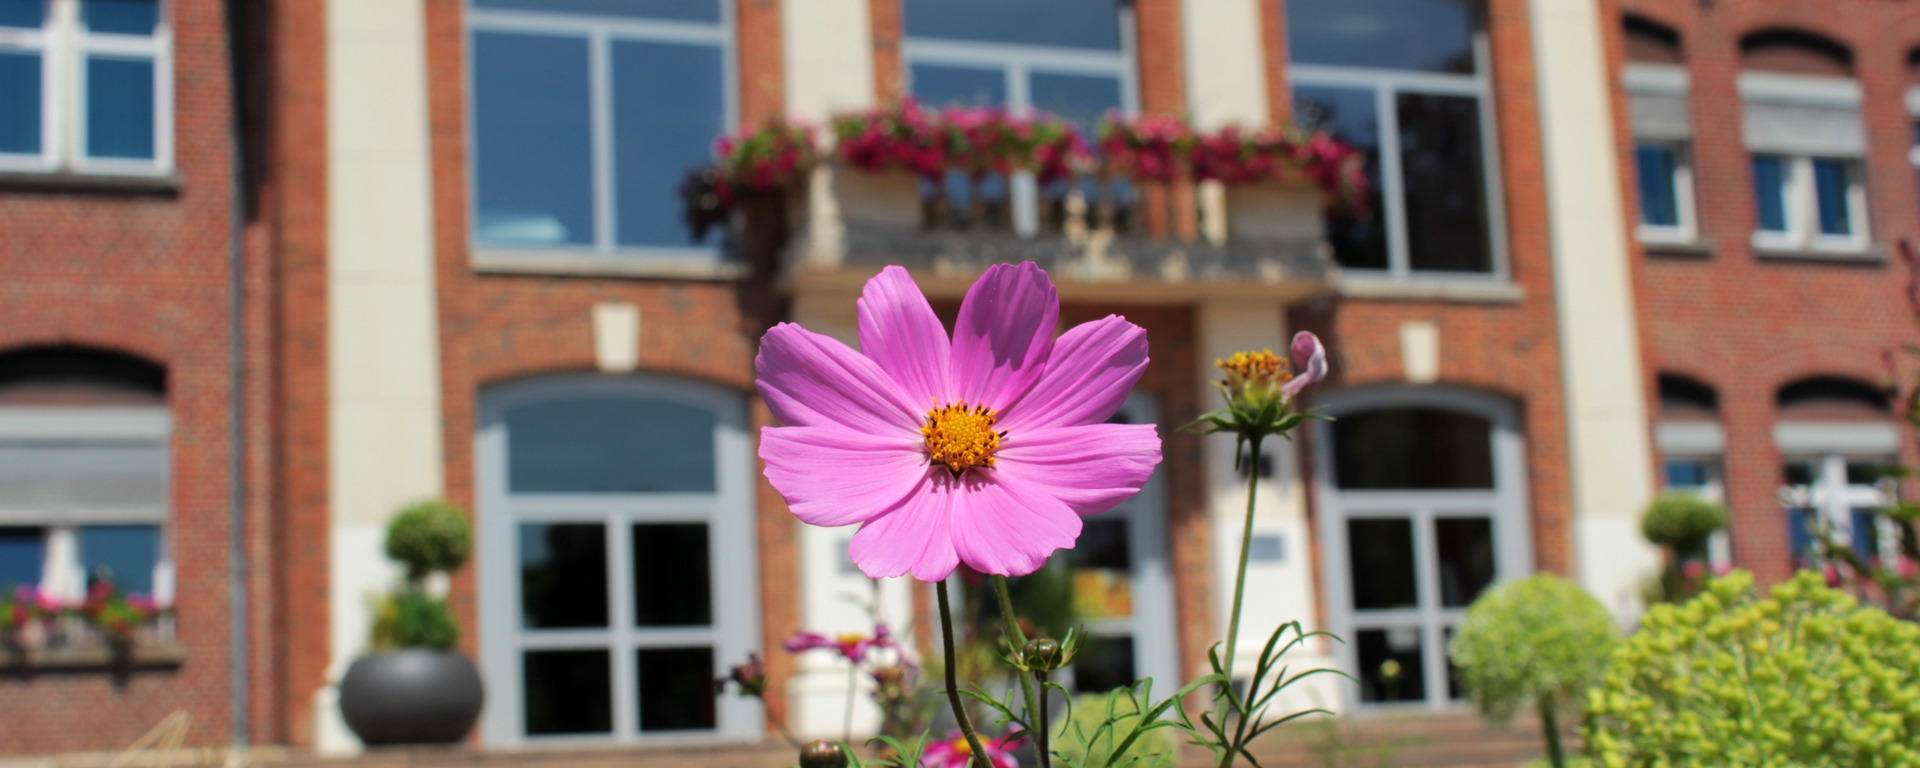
column 1801, row 677
column 1538, row 642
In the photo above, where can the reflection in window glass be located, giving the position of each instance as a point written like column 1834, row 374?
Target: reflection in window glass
column 1425, row 35
column 22, row 556
column 668, row 105
column 568, row 692
column 1830, row 187
column 1102, row 567
column 1770, row 192
column 1090, row 24
column 1382, row 563
column 533, row 150
column 28, row 14
column 121, row 17
column 676, row 689
column 1408, row 448
column 563, row 575
column 1103, row 664
column 1078, row 99
column 943, row 86
column 1359, row 240
column 1401, row 645
column 20, row 103
column 610, row 444
column 1465, row 546
column 672, row 582
column 123, row 555
column 666, row 10
column 1655, row 165
column 120, row 108
column 1441, row 174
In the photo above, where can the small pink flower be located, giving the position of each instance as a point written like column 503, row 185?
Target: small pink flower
column 957, row 752
column 853, row 646
column 1831, row 573
column 986, row 448
column 1693, row 570
column 1722, row 569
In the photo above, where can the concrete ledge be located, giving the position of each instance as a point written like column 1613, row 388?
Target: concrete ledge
column 1433, row 290
column 575, row 265
column 167, row 185
column 162, row 656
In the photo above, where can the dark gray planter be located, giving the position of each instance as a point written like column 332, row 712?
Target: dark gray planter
column 411, row 696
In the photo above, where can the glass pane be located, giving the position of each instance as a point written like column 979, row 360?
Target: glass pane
column 1102, row 566
column 1406, row 448
column 1381, row 558
column 672, row 10
column 120, row 108
column 1465, row 545
column 1866, row 532
column 672, row 581
column 610, row 444
column 568, row 692
column 121, row 554
column 533, row 145
column 1427, row 35
column 121, row 17
column 20, row 103
column 1091, row 24
column 669, row 105
column 1104, row 663
column 1830, row 186
column 938, row 86
column 1454, row 690
column 1405, row 679
column 1770, row 192
column 1797, row 473
column 1685, row 473
column 1359, row 241
column 1658, row 206
column 22, row 556
column 1444, row 174
column 563, row 575
column 1078, row 99
column 676, row 689
column 23, row 13
column 1867, row 472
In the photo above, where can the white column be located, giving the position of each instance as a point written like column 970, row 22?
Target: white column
column 383, row 357
column 1607, row 426
column 829, row 57
column 1279, row 589
column 1226, row 72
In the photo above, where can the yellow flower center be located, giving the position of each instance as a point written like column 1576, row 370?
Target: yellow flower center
column 963, row 747
column 850, row 639
column 1256, row 366
column 961, row 436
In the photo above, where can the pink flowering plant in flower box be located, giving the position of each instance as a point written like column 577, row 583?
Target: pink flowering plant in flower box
column 1235, row 156
column 756, row 161
column 1146, row 147
column 984, row 449
column 904, row 138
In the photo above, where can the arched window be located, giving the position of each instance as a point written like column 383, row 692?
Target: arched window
column 83, row 472
column 1406, row 82
column 1692, row 447
column 1802, row 124
column 1423, row 507
column 617, row 558
column 1656, row 82
column 1835, row 435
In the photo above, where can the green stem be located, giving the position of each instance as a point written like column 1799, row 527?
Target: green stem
column 1551, row 726
column 1019, row 639
column 1044, row 725
column 777, row 722
column 953, row 683
column 1240, row 575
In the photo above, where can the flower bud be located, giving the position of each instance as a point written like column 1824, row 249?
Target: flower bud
column 821, row 753
column 1042, row 654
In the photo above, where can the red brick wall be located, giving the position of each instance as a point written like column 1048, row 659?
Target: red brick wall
column 1747, row 325
column 146, row 274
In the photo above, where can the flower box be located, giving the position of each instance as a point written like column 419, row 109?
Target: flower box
column 1274, row 211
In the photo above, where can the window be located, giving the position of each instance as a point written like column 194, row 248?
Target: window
column 1657, row 99
column 1835, row 434
column 614, row 513
column 1691, row 443
column 86, row 86
column 83, row 474
column 1801, row 121
column 584, row 116
column 1808, row 202
column 1405, row 82
column 1073, row 59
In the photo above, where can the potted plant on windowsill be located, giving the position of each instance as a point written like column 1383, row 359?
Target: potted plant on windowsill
column 414, row 688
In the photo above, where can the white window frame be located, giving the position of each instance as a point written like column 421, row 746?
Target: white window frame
column 1840, row 95
column 1386, row 85
column 1686, row 228
column 1017, row 63
column 65, row 46
column 1666, row 82
column 1802, row 205
column 600, row 32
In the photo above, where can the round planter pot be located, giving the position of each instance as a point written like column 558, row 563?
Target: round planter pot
column 411, row 696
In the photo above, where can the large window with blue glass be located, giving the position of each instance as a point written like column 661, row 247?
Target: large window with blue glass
column 584, row 114
column 1800, row 120
column 86, row 86
column 1407, row 83
column 1656, row 82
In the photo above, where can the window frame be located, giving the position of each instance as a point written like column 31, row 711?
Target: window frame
column 1801, row 199
column 65, row 46
column 1386, row 85
column 600, row 33
column 1686, row 228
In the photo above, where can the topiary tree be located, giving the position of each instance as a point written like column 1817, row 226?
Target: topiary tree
column 1682, row 522
column 1804, row 676
column 430, row 536
column 1537, row 642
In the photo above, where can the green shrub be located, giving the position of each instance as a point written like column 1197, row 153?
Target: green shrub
column 1085, row 739
column 1682, row 522
column 1801, row 677
column 414, row 620
column 430, row 536
column 1539, row 642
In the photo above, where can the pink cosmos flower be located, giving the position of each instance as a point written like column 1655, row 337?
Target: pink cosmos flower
column 984, row 449
column 854, row 646
column 957, row 752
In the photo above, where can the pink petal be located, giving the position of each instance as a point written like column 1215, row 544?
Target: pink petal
column 899, row 331
column 1090, row 468
column 1087, row 379
column 814, row 380
column 1309, row 363
column 1003, row 335
column 1006, row 525
column 912, row 538
column 835, row 476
